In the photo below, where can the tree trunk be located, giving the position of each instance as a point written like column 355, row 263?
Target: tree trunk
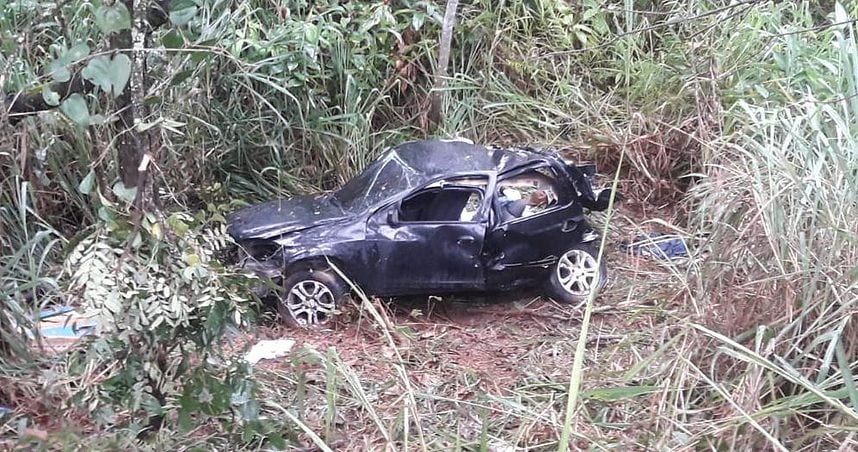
column 134, row 145
column 127, row 152
column 443, row 60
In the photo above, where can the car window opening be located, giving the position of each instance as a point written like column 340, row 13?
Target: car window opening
column 447, row 204
column 528, row 194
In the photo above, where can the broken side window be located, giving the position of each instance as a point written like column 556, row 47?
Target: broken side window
column 530, row 193
column 447, row 201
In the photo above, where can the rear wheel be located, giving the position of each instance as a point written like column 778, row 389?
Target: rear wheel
column 310, row 297
column 577, row 274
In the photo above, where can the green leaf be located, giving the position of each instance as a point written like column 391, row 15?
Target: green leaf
column 417, row 20
column 50, row 96
column 188, row 273
column 110, row 74
column 138, row 240
column 218, row 316
column 120, row 72
column 97, row 72
column 173, row 40
column 77, row 52
column 177, row 225
column 187, row 405
column 124, row 193
column 97, row 119
column 840, row 14
column 112, row 303
column 85, row 186
column 113, row 18
column 182, row 12
column 59, row 71
column 181, row 77
column 618, row 393
column 105, row 214
column 104, row 415
column 151, row 405
column 276, row 440
column 201, row 56
column 75, row 108
column 311, row 33
column 59, row 68
column 192, row 259
column 849, row 382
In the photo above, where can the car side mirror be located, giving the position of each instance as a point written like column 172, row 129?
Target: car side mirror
column 391, row 217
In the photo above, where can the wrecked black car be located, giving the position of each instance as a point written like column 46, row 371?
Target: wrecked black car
column 431, row 217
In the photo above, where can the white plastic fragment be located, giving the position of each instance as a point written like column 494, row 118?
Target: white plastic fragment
column 269, row 350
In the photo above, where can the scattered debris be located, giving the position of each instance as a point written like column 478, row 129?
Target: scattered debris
column 658, row 245
column 48, row 313
column 269, row 350
column 62, row 326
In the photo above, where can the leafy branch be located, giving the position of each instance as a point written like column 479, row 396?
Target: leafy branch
column 114, row 19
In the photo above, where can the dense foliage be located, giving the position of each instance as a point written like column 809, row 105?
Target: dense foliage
column 741, row 115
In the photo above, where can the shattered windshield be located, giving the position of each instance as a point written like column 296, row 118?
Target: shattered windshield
column 380, row 181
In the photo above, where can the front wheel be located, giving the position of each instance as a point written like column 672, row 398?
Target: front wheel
column 576, row 275
column 310, row 298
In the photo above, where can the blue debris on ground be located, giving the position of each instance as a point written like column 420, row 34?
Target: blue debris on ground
column 60, row 327
column 55, row 311
column 669, row 247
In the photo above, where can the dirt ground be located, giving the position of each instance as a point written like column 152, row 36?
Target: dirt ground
column 487, row 371
column 476, row 373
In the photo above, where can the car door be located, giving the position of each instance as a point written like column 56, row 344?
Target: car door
column 431, row 241
column 518, row 250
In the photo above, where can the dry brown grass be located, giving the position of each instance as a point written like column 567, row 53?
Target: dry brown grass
column 493, row 372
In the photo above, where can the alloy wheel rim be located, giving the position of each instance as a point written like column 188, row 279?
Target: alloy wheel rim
column 578, row 272
column 310, row 302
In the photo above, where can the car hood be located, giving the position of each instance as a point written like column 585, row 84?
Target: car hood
column 275, row 218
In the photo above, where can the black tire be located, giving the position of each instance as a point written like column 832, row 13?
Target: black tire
column 575, row 289
column 318, row 292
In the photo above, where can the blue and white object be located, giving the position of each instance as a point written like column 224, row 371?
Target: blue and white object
column 669, row 247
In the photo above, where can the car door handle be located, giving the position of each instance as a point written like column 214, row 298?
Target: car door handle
column 465, row 239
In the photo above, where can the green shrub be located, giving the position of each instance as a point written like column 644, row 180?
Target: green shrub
column 162, row 303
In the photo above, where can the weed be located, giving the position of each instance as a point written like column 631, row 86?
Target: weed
column 735, row 124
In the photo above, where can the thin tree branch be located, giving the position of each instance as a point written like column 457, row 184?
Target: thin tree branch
column 652, row 27
column 443, row 58
column 816, row 28
column 21, row 103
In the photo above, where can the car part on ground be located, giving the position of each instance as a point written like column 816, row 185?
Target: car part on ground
column 669, row 247
column 427, row 217
column 269, row 349
column 61, row 327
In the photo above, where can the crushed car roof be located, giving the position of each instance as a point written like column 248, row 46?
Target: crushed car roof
column 432, row 158
column 415, row 163
column 397, row 172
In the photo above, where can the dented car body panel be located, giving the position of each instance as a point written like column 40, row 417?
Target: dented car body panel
column 275, row 218
column 431, row 217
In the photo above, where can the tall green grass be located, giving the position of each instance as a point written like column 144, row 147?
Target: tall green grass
column 780, row 202
column 28, row 253
column 756, row 100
